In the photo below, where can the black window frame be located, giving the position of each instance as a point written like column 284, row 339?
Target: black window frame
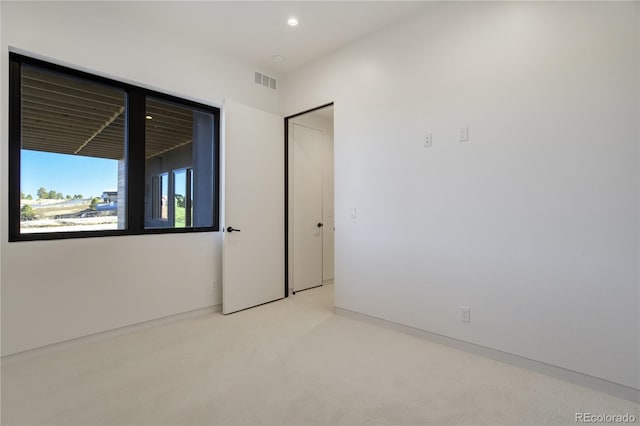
column 134, row 154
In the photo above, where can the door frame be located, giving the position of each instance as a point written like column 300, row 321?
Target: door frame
column 286, row 191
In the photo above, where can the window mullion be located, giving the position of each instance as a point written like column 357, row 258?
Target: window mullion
column 135, row 160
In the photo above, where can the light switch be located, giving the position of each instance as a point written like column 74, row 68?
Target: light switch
column 463, row 134
column 353, row 213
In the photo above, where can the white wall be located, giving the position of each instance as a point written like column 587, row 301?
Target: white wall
column 56, row 290
column 533, row 223
column 3, row 124
column 316, row 121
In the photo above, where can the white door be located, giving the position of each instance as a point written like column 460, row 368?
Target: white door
column 253, row 257
column 307, row 207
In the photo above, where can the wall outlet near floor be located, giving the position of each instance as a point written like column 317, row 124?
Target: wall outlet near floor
column 214, row 285
column 465, row 314
column 428, row 141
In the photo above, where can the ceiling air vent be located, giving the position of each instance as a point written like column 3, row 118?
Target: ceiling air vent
column 265, row 80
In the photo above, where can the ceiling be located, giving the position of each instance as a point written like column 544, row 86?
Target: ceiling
column 253, row 32
column 325, row 113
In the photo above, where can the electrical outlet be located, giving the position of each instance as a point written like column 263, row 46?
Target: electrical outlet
column 214, row 285
column 465, row 314
column 353, row 212
column 428, row 140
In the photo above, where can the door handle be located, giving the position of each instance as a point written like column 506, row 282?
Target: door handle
column 230, row 229
column 319, row 225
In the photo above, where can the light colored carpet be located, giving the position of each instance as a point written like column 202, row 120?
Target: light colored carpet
column 291, row 362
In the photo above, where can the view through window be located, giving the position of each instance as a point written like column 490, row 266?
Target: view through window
column 91, row 156
column 179, row 165
column 72, row 154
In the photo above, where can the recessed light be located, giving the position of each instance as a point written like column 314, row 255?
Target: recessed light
column 278, row 58
column 293, row 22
column 148, row 117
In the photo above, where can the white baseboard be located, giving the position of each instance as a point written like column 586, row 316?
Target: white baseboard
column 7, row 359
column 602, row 385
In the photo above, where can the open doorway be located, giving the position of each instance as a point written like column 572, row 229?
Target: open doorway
column 309, row 215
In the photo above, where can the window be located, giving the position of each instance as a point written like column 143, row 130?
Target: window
column 73, row 140
column 179, row 150
column 90, row 156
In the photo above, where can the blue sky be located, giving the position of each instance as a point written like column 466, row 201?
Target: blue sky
column 69, row 174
